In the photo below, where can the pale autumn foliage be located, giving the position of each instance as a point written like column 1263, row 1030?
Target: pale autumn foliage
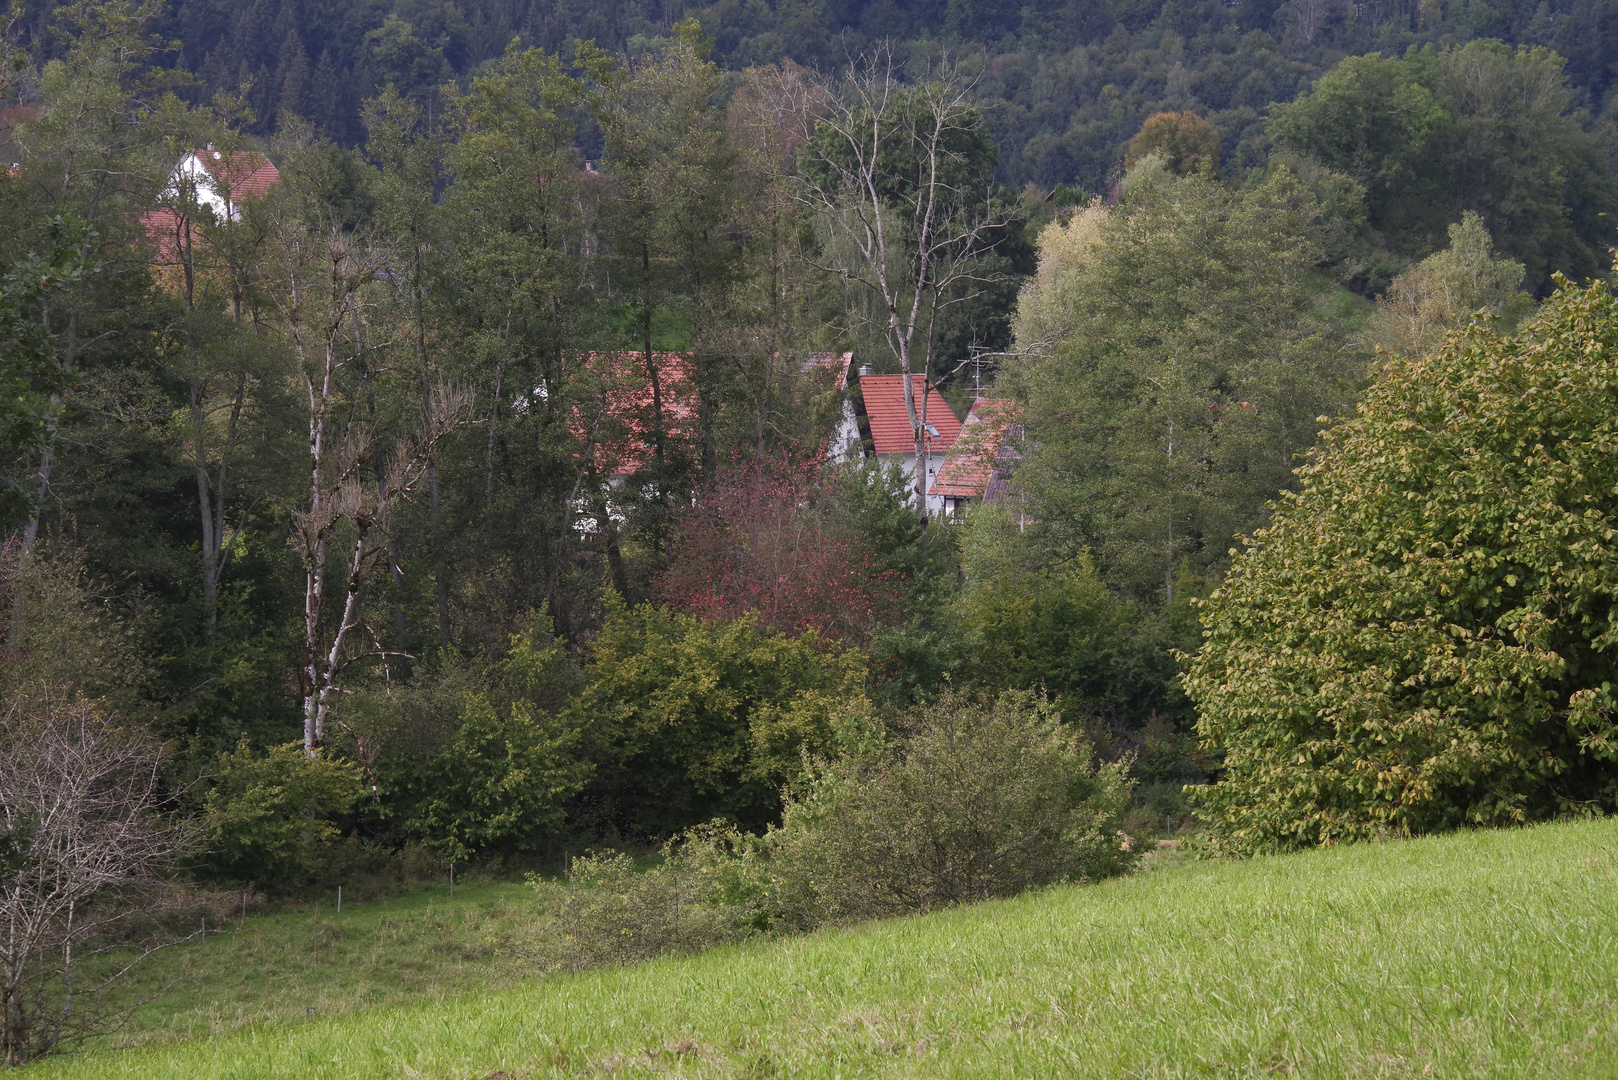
column 1047, row 309
column 1449, row 290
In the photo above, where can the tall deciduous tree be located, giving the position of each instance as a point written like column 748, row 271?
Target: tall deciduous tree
column 209, row 267
column 33, row 374
column 1445, row 291
column 763, row 330
column 95, row 152
column 524, row 298
column 1180, row 365
column 672, row 177
column 324, row 292
column 1184, row 140
column 408, row 158
column 1423, row 639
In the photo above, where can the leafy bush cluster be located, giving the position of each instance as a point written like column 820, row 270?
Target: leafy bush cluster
column 967, row 799
column 707, row 890
column 963, row 800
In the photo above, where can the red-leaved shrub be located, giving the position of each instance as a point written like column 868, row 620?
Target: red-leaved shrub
column 769, row 535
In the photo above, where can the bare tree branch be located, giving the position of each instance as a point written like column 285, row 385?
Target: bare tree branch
column 910, row 239
column 83, row 839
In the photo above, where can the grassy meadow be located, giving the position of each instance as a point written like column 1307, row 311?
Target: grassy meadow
column 316, row 962
column 1475, row 954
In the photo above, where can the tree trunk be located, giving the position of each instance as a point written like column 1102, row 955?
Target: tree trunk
column 494, row 431
column 205, row 507
column 47, row 456
column 651, row 366
column 314, row 589
column 1168, row 558
column 42, row 484
column 435, row 503
column 211, row 496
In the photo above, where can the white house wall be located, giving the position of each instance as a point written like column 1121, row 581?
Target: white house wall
column 845, row 444
column 935, row 462
column 193, row 173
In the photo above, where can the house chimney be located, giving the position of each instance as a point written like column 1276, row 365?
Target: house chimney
column 210, row 146
column 867, row 369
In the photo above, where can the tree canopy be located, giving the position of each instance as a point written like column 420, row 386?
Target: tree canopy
column 1177, row 362
column 1484, row 127
column 1184, row 140
column 1423, row 636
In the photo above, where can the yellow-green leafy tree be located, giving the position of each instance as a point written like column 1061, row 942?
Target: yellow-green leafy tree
column 691, row 719
column 1423, row 638
column 1449, row 289
column 1183, row 139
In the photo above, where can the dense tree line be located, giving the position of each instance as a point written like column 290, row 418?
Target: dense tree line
column 353, row 461
column 1065, row 85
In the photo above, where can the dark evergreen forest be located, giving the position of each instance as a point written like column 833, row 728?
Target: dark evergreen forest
column 1063, row 85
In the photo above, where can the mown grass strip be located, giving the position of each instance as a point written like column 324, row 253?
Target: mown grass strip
column 1480, row 954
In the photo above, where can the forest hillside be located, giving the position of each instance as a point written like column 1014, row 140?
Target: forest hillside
column 760, row 468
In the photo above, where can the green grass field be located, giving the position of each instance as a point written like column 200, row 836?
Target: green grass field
column 278, row 968
column 1484, row 954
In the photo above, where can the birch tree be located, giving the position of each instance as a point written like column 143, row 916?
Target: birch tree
column 323, row 292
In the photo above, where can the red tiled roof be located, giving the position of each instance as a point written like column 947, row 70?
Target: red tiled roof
column 164, row 228
column 971, row 460
column 830, row 368
column 884, row 397
column 620, row 422
column 246, row 173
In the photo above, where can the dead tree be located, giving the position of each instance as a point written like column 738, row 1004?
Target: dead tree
column 889, row 178
column 84, row 836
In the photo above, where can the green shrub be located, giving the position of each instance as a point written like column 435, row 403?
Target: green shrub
column 1026, row 624
column 694, row 720
column 267, row 816
column 969, row 799
column 1424, row 637
column 501, row 783
column 477, row 760
column 708, row 890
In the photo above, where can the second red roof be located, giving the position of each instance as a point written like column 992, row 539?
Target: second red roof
column 890, row 424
